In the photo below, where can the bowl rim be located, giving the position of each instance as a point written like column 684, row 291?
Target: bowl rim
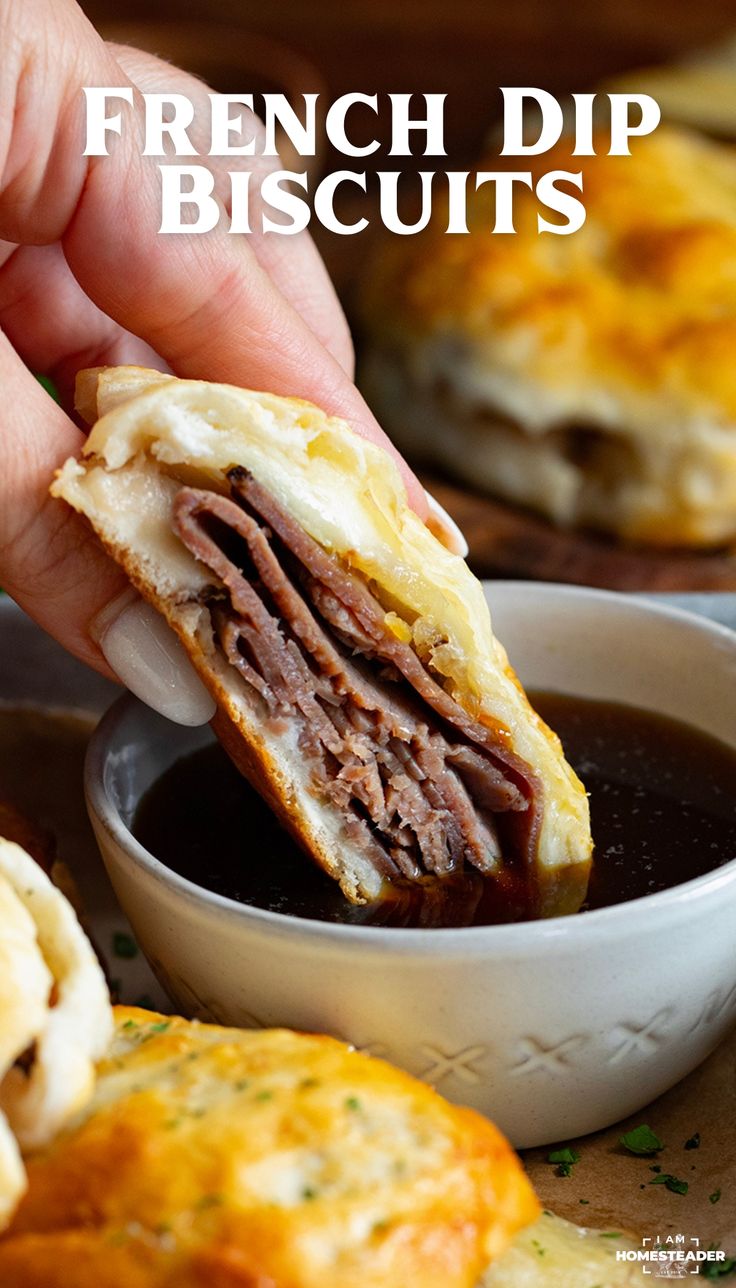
column 526, row 937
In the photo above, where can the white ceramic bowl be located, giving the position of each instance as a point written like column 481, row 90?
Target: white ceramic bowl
column 554, row 1028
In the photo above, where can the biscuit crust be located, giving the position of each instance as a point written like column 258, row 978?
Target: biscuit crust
column 589, row 376
column 251, row 1159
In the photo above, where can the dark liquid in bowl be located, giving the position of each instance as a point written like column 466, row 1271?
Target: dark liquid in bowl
column 663, row 806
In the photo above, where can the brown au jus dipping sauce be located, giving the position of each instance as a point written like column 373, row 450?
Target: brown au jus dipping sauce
column 662, row 796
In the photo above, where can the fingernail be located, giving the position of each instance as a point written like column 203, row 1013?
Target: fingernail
column 148, row 659
column 445, row 528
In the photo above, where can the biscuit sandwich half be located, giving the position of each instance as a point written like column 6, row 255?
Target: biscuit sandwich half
column 358, row 682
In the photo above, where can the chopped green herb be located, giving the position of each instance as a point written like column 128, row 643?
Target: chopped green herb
column 565, row 1155
column 117, row 1238
column 565, row 1159
column 693, row 1142
column 641, row 1140
column 264, row 1095
column 610, row 1234
column 353, row 1103
column 308, row 1193
column 655, row 1168
column 539, row 1249
column 208, row 1201
column 124, row 945
column 242, row 1084
column 130, row 1024
column 585, row 1202
column 671, row 1182
column 714, row 1197
column 718, row 1269
column 161, row 1026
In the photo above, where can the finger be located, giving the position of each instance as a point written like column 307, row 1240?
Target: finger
column 56, row 570
column 268, row 344
column 53, row 326
column 51, row 563
column 204, row 303
column 207, row 306
column 292, row 263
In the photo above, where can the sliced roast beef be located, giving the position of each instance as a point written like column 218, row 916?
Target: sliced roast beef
column 425, row 789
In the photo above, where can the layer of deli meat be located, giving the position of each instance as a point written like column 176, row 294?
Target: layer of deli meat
column 359, row 683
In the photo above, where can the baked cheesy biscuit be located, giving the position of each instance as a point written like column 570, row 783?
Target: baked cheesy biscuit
column 55, row 1017
column 589, row 376
column 221, row 1158
column 358, row 681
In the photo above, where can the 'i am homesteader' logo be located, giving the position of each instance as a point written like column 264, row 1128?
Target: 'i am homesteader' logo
column 673, row 1257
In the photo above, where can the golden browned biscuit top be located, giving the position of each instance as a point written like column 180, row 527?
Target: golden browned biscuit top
column 216, row 1157
column 641, row 298
column 588, row 375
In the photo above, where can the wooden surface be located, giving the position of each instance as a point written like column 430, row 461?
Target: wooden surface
column 509, row 542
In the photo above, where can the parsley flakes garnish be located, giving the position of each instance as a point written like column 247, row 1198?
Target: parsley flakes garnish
column 209, row 1201
column 671, row 1182
column 714, row 1197
column 641, row 1140
column 565, row 1159
column 718, row 1269
column 693, row 1142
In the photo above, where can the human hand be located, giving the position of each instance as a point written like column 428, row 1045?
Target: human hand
column 86, row 280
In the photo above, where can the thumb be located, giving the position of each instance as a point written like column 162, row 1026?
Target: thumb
column 54, row 567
